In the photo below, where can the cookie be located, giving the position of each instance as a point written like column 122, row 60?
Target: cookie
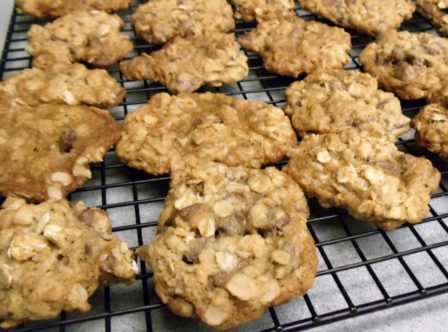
column 92, row 37
column 185, row 64
column 431, row 129
column 334, row 100
column 52, row 8
column 231, row 242
column 292, row 46
column 371, row 17
column 45, row 151
column 263, row 10
column 435, row 10
column 71, row 84
column 173, row 133
column 158, row 21
column 366, row 175
column 411, row 65
column 54, row 256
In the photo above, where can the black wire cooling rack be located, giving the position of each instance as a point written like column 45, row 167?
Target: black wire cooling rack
column 362, row 269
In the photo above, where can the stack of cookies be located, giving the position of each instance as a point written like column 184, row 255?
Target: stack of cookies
column 232, row 238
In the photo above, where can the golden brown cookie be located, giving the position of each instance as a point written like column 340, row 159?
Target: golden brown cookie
column 185, row 64
column 366, row 175
column 368, row 16
column 292, row 46
column 158, row 21
column 45, row 151
column 337, row 99
column 71, row 84
column 92, row 37
column 231, row 242
column 53, row 256
column 176, row 132
column 437, row 11
column 263, row 10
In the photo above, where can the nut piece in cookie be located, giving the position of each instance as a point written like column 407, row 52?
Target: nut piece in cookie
column 71, row 84
column 431, row 129
column 92, row 37
column 45, row 151
column 263, row 10
column 292, row 46
column 176, row 132
column 52, row 8
column 161, row 20
column 54, row 256
column 231, row 242
column 437, row 11
column 366, row 175
column 372, row 17
column 185, row 64
column 412, row 65
column 337, row 99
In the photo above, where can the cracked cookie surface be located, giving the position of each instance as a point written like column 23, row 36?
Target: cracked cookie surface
column 334, row 100
column 231, row 242
column 437, row 11
column 45, row 151
column 92, row 37
column 55, row 8
column 176, row 132
column 161, row 20
column 372, row 17
column 366, row 175
column 53, row 256
column 412, row 65
column 263, row 10
column 431, row 129
column 185, row 64
column 71, row 84
column 292, row 46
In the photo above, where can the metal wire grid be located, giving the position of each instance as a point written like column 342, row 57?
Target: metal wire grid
column 362, row 269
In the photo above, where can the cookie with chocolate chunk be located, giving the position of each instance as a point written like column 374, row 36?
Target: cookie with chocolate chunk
column 437, row 12
column 45, row 151
column 54, row 256
column 92, row 37
column 185, row 64
column 293, row 46
column 411, row 65
column 263, row 10
column 366, row 175
column 231, row 242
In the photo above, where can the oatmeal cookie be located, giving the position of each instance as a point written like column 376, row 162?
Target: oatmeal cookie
column 292, row 46
column 71, row 84
column 437, row 11
column 412, row 65
column 185, row 64
column 365, row 174
column 92, row 37
column 337, row 99
column 45, row 151
column 173, row 132
column 55, row 8
column 263, row 10
column 160, row 20
column 431, row 129
column 231, row 242
column 372, row 17
column 53, row 257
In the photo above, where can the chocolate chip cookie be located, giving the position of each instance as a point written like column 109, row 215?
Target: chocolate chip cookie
column 437, row 11
column 158, row 21
column 365, row 174
column 185, row 64
column 231, row 242
column 372, row 17
column 412, row 65
column 45, row 151
column 292, row 46
column 176, row 132
column 54, row 256
column 337, row 99
column 92, row 37
column 263, row 10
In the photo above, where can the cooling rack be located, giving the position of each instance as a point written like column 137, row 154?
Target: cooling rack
column 361, row 269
